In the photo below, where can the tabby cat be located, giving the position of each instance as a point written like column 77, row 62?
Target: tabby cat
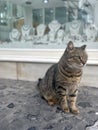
column 61, row 82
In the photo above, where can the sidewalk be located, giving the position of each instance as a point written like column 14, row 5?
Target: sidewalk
column 22, row 108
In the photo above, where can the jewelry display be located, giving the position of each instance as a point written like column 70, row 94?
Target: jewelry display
column 54, row 26
column 41, row 30
column 75, row 30
column 51, row 36
column 91, row 33
column 25, row 29
column 14, row 35
column 60, row 35
column 74, row 27
column 40, row 37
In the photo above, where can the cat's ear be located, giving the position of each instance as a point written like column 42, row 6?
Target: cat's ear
column 83, row 47
column 70, row 46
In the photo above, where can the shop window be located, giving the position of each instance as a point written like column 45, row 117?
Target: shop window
column 49, row 15
column 60, row 15
column 76, row 23
column 37, row 16
column 3, row 13
column 17, row 11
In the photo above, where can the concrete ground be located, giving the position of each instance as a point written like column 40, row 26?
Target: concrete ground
column 22, row 108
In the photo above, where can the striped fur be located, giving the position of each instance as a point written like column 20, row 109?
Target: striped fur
column 61, row 82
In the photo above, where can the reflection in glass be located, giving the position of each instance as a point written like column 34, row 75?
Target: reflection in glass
column 49, row 15
column 73, row 14
column 87, row 13
column 60, row 14
column 17, row 11
column 37, row 17
column 3, row 13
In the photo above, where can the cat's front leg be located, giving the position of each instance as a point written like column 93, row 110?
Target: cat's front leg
column 64, row 104
column 72, row 104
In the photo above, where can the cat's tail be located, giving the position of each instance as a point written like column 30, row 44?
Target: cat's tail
column 39, row 82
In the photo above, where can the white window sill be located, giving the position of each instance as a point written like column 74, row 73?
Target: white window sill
column 41, row 55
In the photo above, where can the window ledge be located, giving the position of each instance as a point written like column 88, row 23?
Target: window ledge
column 41, row 55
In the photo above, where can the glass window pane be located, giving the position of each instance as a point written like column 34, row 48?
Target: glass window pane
column 17, row 11
column 49, row 15
column 60, row 14
column 73, row 14
column 3, row 13
column 37, row 16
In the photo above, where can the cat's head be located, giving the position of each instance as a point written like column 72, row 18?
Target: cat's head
column 76, row 57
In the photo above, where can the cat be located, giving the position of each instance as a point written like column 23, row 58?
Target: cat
column 61, row 82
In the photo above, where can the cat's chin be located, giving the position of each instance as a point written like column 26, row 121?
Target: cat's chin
column 81, row 65
column 76, row 66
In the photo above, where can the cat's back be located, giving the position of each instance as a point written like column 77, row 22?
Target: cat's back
column 51, row 72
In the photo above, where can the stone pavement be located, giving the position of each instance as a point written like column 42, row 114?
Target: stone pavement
column 22, row 108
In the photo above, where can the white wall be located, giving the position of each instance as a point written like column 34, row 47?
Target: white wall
column 32, row 71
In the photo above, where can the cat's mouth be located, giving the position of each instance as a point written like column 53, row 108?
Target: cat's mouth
column 76, row 66
column 82, row 64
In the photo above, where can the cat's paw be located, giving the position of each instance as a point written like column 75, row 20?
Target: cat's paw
column 51, row 103
column 75, row 111
column 66, row 109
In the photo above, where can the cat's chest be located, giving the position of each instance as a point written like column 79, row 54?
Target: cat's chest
column 70, row 79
